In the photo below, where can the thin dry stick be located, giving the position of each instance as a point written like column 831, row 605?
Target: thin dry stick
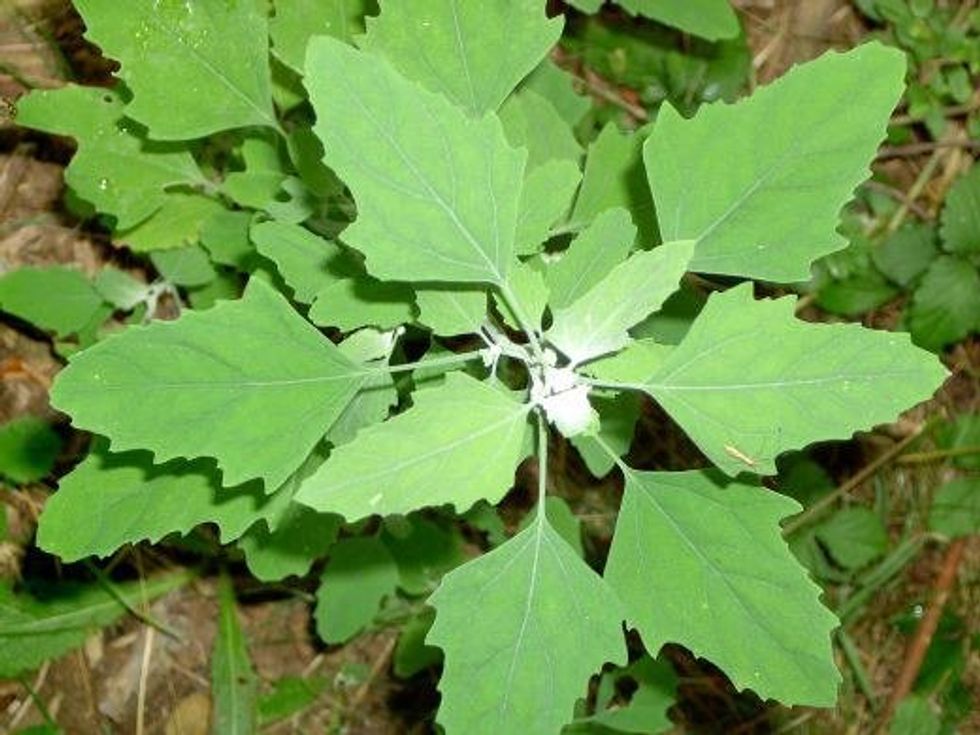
column 144, row 676
column 917, row 188
column 866, row 472
column 916, row 651
column 914, row 149
column 379, row 664
column 26, row 705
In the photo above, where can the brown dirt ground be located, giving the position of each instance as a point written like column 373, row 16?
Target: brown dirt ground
column 99, row 689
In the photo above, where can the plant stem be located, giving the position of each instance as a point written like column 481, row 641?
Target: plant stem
column 542, row 468
column 931, row 456
column 448, row 360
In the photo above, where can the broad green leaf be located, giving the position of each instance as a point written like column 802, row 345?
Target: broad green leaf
column 760, row 184
column 654, row 692
column 617, row 423
column 670, row 325
column 710, row 19
column 562, row 520
column 306, row 262
column 125, row 499
column 556, row 85
column 258, row 183
column 597, row 322
column 529, row 290
column 413, row 654
column 194, row 68
column 946, row 305
column 599, row 248
column 28, row 449
column 349, row 303
column 247, row 382
column 451, row 311
column 545, row 200
column 178, row 222
column 955, row 508
column 423, row 551
column 961, row 215
column 234, row 685
column 290, row 695
column 33, row 629
column 522, row 628
column 188, row 266
column 57, row 298
column 466, row 433
column 360, row 574
column 906, row 254
column 114, row 169
column 915, row 716
column 119, row 288
column 296, row 21
column 437, row 192
column 473, row 53
column 301, row 537
column 640, row 359
column 854, row 537
column 750, row 381
column 530, row 121
column 672, row 564
column 225, row 235
column 614, row 177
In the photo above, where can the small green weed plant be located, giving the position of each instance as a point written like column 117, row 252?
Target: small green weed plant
column 437, row 288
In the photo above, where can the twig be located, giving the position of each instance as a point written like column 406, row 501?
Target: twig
column 602, row 89
column 925, row 175
column 869, row 470
column 919, row 644
column 899, row 196
column 379, row 664
column 915, row 149
column 32, row 697
column 144, row 676
column 936, row 454
column 952, row 111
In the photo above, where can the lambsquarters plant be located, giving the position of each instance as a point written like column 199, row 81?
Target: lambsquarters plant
column 459, row 168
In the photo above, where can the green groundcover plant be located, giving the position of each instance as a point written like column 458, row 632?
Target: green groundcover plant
column 415, row 180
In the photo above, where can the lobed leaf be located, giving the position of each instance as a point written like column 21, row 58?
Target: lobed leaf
column 760, row 183
column 522, row 627
column 247, row 382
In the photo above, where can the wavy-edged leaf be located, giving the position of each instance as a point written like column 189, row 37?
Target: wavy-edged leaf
column 674, row 564
column 760, row 183
column 522, row 627
column 750, row 381
column 466, row 433
column 596, row 323
column 248, row 382
column 57, row 298
column 710, row 19
column 296, row 21
column 474, row 53
column 114, row 169
column 545, row 200
column 437, row 192
column 194, row 68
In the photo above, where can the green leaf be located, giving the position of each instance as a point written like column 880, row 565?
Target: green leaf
column 466, row 433
column 598, row 249
column 114, row 169
column 759, row 184
column 189, row 266
column 556, row 85
column 58, row 299
column 906, row 254
column 349, row 303
column 423, row 551
column 194, row 68
column 301, row 537
column 636, row 362
column 290, row 695
column 617, row 423
column 296, row 21
column 655, row 689
column 178, row 222
column 126, row 499
column 234, row 685
column 750, row 381
column 854, row 537
column 225, row 235
column 955, row 508
column 961, row 215
column 671, row 563
column 437, row 192
column 28, row 449
column 412, row 654
column 306, row 262
column 502, row 620
column 530, row 121
column 915, row 716
column 119, row 288
column 562, row 520
column 670, row 325
column 946, row 305
column 359, row 575
column 451, row 311
column 473, row 53
column 545, row 200
column 597, row 322
column 247, row 382
column 961, row 434
column 33, row 629
column 710, row 19
column 614, row 177
column 526, row 285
